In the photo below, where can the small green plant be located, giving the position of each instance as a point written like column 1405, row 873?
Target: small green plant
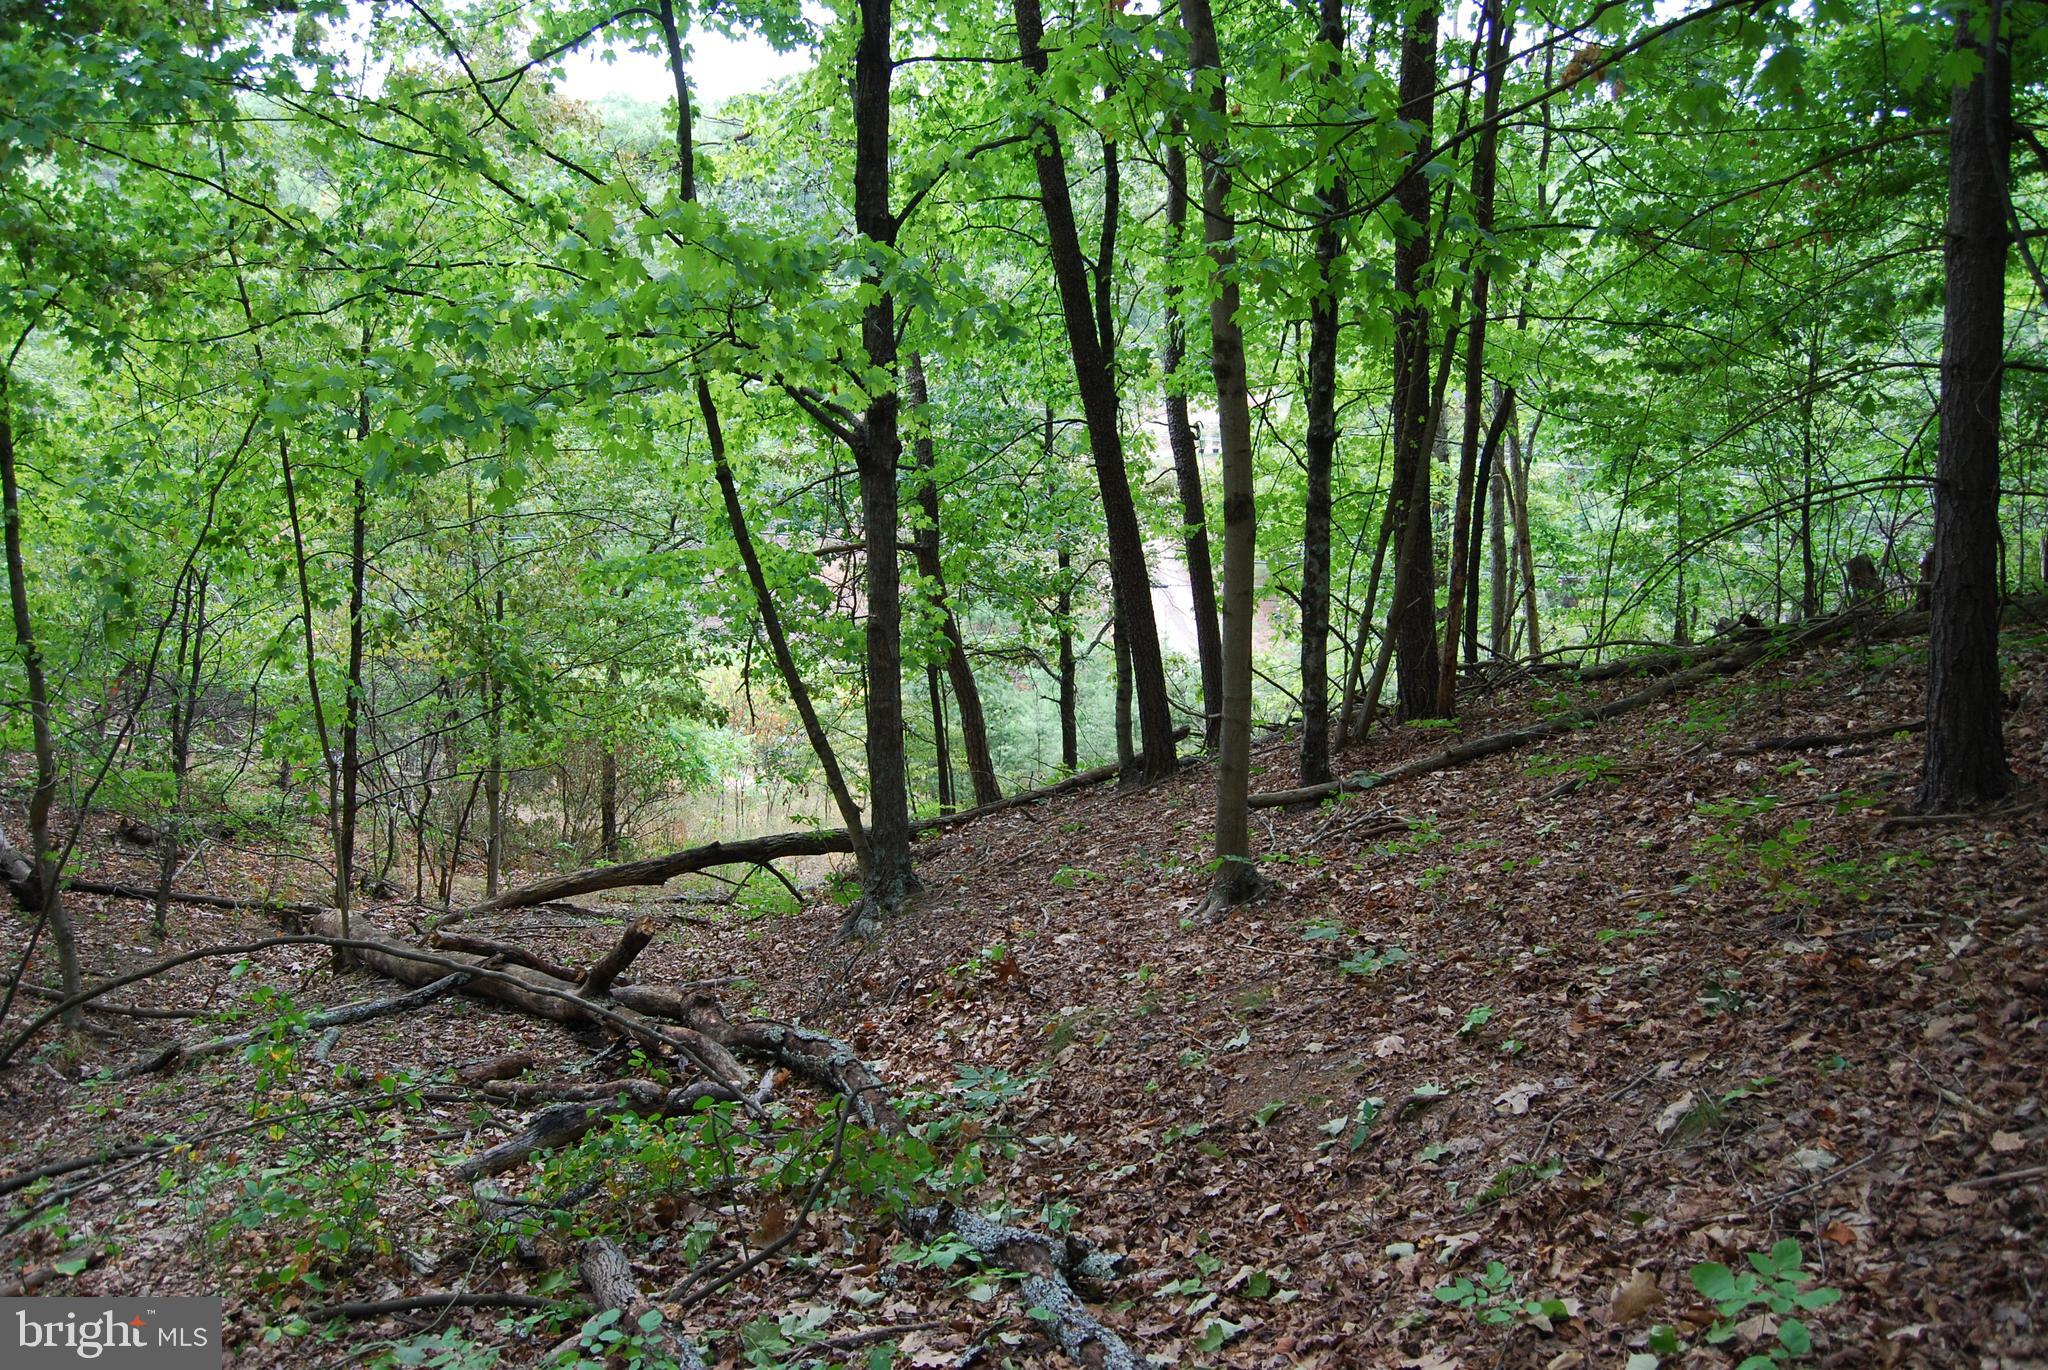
column 1597, row 769
column 1421, row 833
column 1646, row 923
column 1773, row 1285
column 1372, row 961
column 1475, row 1019
column 1489, row 1298
column 1071, row 877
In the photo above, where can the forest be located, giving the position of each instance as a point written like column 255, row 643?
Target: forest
column 933, row 683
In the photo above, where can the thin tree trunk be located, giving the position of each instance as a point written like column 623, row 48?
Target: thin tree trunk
column 1523, row 457
column 941, row 742
column 889, row 879
column 1236, row 879
column 184, row 703
column 1320, row 441
column 1095, row 377
column 352, row 705
column 1464, row 528
column 494, row 766
column 1126, row 749
column 1415, row 557
column 1809, row 571
column 1501, row 570
column 49, row 899
column 981, row 766
column 1356, row 664
column 1187, row 468
column 1070, row 729
column 1965, row 761
column 728, row 488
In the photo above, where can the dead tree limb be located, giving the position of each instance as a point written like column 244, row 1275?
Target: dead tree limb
column 1722, row 664
column 178, row 1053
column 1049, row 1266
column 433, row 1299
column 597, row 982
column 755, row 851
column 559, row 1125
column 507, row 952
column 609, row 1278
column 1807, row 742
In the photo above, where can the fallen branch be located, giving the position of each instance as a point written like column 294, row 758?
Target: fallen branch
column 503, row 951
column 609, row 1278
column 178, row 1053
column 431, row 1300
column 1724, row 664
column 753, row 851
column 1049, row 1265
column 561, row 1124
column 204, row 901
column 1807, row 742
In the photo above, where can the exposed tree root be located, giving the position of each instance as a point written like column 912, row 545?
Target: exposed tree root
column 1049, row 1266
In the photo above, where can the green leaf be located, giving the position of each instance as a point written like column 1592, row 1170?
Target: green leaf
column 1714, row 1280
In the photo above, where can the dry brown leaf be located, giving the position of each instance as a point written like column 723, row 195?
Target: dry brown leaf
column 1635, row 1298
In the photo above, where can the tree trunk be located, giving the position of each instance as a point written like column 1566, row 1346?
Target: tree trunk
column 608, row 804
column 352, row 705
column 1187, row 467
column 1415, row 555
column 888, row 880
column 1501, row 570
column 941, row 741
column 1483, row 485
column 728, row 488
column 189, row 604
column 1320, row 440
column 42, row 884
column 1095, row 377
column 1126, row 749
column 981, row 766
column 494, row 768
column 1965, row 762
column 1237, row 879
column 1070, row 728
column 1524, row 456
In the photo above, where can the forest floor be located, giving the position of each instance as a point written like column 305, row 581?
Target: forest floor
column 1506, row 1055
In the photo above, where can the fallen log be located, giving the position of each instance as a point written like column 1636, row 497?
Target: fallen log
column 754, row 851
column 347, row 1015
column 506, row 952
column 1723, row 664
column 505, row 1067
column 1807, row 742
column 203, row 901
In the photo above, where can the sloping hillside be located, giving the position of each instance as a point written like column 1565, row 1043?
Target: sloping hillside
column 1506, row 1058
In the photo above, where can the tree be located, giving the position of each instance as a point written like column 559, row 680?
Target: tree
column 1965, row 762
column 1092, row 345
column 1236, row 879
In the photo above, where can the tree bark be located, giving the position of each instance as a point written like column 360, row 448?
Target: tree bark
column 45, row 897
column 1965, row 761
column 352, row 705
column 1070, row 725
column 1237, row 879
column 1471, row 473
column 1320, row 441
column 1414, row 596
column 888, row 881
column 1095, row 377
column 981, row 766
column 1187, row 467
